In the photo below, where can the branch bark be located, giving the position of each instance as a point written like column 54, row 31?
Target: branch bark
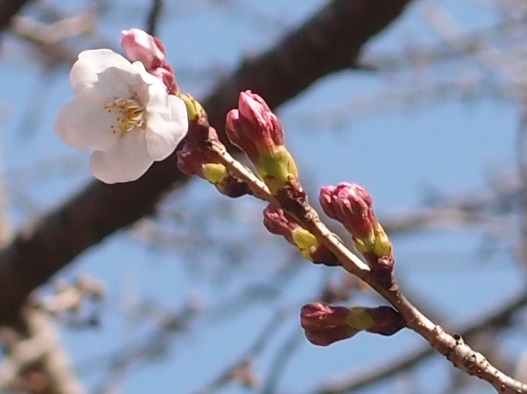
column 8, row 9
column 328, row 42
column 452, row 346
column 365, row 378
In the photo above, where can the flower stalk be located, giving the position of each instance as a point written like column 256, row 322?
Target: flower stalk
column 196, row 158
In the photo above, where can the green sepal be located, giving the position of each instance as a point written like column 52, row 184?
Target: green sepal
column 214, row 172
column 359, row 318
column 305, row 242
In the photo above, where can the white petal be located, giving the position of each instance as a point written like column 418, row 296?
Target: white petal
column 126, row 161
column 85, row 72
column 149, row 88
column 116, row 83
column 144, row 75
column 164, row 133
column 84, row 124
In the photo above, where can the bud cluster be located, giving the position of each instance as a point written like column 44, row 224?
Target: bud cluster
column 194, row 157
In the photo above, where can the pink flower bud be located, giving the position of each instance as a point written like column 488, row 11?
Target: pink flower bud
column 141, row 46
column 351, row 205
column 193, row 158
column 276, row 222
column 324, row 324
column 253, row 127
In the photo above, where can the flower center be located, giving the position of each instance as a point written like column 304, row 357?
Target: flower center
column 129, row 114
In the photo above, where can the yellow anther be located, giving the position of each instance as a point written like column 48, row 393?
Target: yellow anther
column 130, row 114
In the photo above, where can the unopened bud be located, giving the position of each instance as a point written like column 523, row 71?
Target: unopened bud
column 253, row 127
column 139, row 46
column 325, row 324
column 195, row 158
column 256, row 130
column 352, row 205
column 276, row 221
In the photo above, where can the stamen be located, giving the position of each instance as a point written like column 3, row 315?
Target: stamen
column 130, row 114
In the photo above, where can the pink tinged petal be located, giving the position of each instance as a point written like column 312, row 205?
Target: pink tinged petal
column 84, row 124
column 141, row 46
column 163, row 74
column 149, row 89
column 142, row 76
column 166, row 75
column 165, row 131
column 126, row 161
column 85, row 72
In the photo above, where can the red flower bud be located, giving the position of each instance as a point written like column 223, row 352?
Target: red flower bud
column 253, row 127
column 324, row 324
column 277, row 222
column 351, row 205
column 194, row 158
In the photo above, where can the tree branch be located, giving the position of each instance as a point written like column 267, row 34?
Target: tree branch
column 8, row 9
column 452, row 346
column 495, row 317
column 328, row 42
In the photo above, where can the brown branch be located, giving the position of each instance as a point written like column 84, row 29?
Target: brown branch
column 452, row 346
column 328, row 42
column 33, row 352
column 36, row 356
column 8, row 9
column 493, row 318
column 257, row 347
column 153, row 17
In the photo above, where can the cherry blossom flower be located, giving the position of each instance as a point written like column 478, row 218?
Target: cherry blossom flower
column 122, row 113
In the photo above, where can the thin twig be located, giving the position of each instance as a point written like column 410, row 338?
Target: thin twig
column 522, row 169
column 256, row 348
column 287, row 350
column 153, row 17
column 390, row 368
column 453, row 347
